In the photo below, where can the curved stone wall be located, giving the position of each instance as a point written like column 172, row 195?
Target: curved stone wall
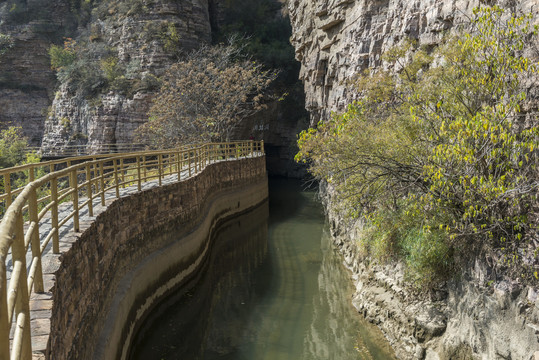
column 138, row 250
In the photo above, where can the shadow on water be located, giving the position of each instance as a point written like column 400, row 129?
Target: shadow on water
column 273, row 288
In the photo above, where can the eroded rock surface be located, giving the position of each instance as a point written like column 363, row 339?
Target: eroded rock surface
column 142, row 40
column 336, row 39
column 470, row 317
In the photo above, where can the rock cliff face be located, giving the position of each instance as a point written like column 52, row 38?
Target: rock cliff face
column 471, row 317
column 335, row 39
column 144, row 39
column 122, row 48
column 26, row 80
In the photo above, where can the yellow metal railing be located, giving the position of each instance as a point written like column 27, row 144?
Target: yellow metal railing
column 86, row 149
column 82, row 182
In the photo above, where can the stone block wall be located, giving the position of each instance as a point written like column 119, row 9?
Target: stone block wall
column 134, row 250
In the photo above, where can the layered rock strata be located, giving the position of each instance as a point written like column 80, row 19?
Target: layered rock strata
column 146, row 40
column 337, row 39
column 471, row 317
column 26, row 79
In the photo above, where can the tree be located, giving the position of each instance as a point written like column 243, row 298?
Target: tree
column 13, row 147
column 205, row 96
column 446, row 148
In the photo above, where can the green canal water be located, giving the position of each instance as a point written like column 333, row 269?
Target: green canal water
column 273, row 288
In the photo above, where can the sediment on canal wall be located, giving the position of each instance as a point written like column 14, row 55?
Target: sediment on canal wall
column 470, row 317
column 137, row 251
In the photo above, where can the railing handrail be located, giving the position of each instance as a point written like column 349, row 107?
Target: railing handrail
column 104, row 175
column 24, row 167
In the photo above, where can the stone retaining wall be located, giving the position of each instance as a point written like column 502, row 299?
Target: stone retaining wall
column 141, row 248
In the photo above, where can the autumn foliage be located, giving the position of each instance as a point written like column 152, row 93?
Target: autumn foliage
column 205, row 96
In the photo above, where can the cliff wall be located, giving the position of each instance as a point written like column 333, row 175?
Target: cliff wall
column 140, row 40
column 336, row 39
column 26, row 79
column 122, row 48
column 472, row 316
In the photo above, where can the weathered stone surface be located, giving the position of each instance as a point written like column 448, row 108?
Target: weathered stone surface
column 138, row 38
column 26, row 80
column 335, row 39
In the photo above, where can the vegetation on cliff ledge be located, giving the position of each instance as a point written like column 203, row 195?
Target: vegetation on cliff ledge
column 438, row 158
column 205, row 96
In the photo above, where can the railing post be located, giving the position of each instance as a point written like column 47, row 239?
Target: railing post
column 196, row 160
column 178, row 165
column 102, row 182
column 261, row 147
column 139, row 182
column 34, row 241
column 144, row 165
column 22, row 306
column 54, row 216
column 75, row 186
column 7, row 186
column 189, row 161
column 159, row 167
column 122, row 175
column 116, row 182
column 89, row 192
column 199, row 159
column 203, row 157
column 4, row 321
column 31, row 175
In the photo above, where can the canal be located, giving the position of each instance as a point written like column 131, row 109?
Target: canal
column 273, row 288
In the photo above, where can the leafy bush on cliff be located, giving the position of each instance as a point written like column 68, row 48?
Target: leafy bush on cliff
column 14, row 151
column 204, row 97
column 63, row 56
column 447, row 147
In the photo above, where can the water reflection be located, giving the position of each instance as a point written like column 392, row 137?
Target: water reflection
column 335, row 325
column 273, row 289
column 209, row 314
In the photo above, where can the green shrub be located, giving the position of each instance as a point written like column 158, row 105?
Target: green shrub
column 63, row 56
column 12, row 147
column 427, row 255
column 110, row 68
column 170, row 37
column 6, row 43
